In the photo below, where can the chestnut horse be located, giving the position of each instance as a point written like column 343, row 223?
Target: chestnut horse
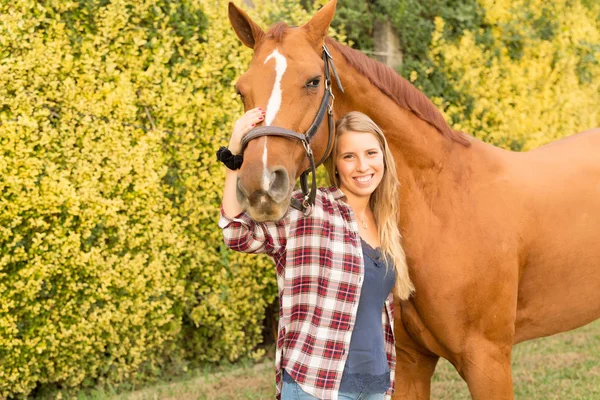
column 502, row 246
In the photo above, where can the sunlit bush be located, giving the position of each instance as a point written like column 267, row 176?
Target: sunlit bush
column 112, row 267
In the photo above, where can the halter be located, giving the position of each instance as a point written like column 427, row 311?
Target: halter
column 305, row 206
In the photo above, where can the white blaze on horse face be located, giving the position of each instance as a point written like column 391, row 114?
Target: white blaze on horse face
column 275, row 99
column 273, row 107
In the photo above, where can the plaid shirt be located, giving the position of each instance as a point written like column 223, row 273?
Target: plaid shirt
column 320, row 267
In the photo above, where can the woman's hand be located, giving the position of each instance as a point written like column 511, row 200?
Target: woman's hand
column 231, row 206
column 246, row 122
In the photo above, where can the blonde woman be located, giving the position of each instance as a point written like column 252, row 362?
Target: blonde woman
column 336, row 313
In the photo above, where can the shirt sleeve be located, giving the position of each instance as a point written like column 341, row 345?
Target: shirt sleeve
column 390, row 342
column 242, row 233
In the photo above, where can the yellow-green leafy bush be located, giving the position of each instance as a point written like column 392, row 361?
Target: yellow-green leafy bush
column 533, row 71
column 112, row 267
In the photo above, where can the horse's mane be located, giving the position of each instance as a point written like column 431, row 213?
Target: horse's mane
column 277, row 31
column 398, row 89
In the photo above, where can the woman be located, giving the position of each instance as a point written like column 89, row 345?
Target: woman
column 336, row 268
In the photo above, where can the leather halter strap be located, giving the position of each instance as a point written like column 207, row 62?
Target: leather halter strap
column 326, row 107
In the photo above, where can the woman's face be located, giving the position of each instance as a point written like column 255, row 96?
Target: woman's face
column 359, row 163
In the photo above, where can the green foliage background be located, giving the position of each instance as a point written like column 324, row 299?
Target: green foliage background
column 112, row 268
column 515, row 73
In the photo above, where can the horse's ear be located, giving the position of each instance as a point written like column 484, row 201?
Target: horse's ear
column 245, row 29
column 317, row 27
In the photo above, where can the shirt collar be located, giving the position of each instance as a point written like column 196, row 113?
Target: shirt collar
column 336, row 192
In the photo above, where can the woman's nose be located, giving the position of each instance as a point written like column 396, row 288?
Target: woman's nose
column 362, row 164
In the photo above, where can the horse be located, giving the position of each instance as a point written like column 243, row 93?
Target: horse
column 502, row 246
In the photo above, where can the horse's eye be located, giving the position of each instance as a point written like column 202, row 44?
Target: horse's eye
column 313, row 83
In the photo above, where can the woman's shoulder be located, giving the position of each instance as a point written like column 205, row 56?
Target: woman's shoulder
column 329, row 202
column 333, row 192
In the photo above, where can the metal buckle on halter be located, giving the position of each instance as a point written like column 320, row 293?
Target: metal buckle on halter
column 307, row 206
column 307, row 148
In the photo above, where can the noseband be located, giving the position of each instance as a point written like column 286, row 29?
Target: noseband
column 305, row 206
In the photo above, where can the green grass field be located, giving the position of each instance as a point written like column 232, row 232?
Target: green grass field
column 565, row 367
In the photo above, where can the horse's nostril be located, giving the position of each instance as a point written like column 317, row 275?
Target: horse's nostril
column 278, row 188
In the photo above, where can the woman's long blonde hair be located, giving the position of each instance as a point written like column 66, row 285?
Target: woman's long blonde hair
column 384, row 202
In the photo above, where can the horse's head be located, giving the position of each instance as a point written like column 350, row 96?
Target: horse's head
column 285, row 78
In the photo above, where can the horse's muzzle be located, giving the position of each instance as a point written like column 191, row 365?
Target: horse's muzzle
column 270, row 200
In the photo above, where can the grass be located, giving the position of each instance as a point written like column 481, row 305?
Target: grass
column 239, row 381
column 565, row 366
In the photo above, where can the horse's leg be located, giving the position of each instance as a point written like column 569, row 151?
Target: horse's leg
column 485, row 366
column 414, row 363
column 482, row 349
column 413, row 374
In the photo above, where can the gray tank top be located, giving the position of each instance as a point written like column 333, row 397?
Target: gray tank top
column 367, row 369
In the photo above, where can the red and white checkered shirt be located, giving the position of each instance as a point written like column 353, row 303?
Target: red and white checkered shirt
column 320, row 272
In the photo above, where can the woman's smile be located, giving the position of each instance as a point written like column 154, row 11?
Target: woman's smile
column 363, row 179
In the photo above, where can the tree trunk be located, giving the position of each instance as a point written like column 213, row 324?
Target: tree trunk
column 387, row 44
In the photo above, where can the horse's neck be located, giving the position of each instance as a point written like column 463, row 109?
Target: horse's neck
column 420, row 151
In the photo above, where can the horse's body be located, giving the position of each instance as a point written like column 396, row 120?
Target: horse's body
column 507, row 252
column 502, row 247
column 559, row 189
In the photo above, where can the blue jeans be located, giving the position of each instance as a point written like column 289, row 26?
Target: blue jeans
column 293, row 391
